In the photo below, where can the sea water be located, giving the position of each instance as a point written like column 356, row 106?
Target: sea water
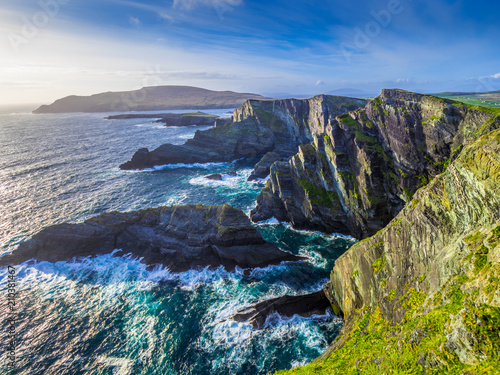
column 110, row 314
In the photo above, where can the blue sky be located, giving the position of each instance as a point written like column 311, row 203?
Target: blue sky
column 53, row 48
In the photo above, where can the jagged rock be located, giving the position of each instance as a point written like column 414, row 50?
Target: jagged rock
column 181, row 238
column 221, row 121
column 263, row 167
column 305, row 305
column 259, row 127
column 360, row 171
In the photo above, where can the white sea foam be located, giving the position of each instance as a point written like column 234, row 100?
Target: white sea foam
column 332, row 236
column 313, row 257
column 260, row 181
column 121, row 366
column 227, row 180
column 182, row 165
column 271, row 221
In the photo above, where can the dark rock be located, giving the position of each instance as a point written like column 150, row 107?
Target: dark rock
column 263, row 167
column 426, row 240
column 305, row 305
column 215, row 177
column 221, row 121
column 181, row 238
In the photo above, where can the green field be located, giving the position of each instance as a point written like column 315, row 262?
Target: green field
column 486, row 99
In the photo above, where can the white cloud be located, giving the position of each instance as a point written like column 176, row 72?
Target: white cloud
column 191, row 4
column 496, row 76
column 134, row 21
column 320, row 82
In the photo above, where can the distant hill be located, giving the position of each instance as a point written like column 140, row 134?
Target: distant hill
column 487, row 99
column 149, row 99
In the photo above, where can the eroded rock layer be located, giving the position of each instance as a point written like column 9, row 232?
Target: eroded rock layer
column 365, row 165
column 423, row 294
column 258, row 127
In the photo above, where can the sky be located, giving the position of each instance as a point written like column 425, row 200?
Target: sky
column 54, row 48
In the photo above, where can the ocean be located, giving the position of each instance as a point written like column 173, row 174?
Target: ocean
column 111, row 315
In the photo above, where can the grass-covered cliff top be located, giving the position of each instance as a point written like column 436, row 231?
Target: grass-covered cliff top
column 423, row 294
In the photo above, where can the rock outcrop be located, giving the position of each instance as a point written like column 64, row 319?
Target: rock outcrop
column 258, row 127
column 364, row 166
column 181, row 238
column 423, row 294
column 288, row 306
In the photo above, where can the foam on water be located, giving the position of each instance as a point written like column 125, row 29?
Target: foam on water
column 260, row 181
column 227, row 180
column 152, row 124
column 182, row 165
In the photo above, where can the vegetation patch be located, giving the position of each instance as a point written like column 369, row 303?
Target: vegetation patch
column 317, row 195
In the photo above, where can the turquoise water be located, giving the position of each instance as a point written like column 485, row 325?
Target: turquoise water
column 109, row 315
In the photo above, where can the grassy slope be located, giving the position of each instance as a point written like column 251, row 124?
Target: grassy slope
column 372, row 345
column 487, row 99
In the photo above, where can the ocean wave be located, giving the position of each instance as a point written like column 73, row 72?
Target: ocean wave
column 151, row 124
column 227, row 180
column 109, row 269
column 275, row 319
column 331, row 236
column 182, row 165
column 260, row 181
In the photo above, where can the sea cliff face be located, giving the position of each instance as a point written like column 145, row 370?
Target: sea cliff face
column 423, row 294
column 258, row 127
column 364, row 166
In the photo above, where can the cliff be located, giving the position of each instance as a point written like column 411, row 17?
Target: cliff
column 258, row 127
column 362, row 167
column 179, row 237
column 423, row 295
column 151, row 98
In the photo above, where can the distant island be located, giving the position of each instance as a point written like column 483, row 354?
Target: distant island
column 149, row 99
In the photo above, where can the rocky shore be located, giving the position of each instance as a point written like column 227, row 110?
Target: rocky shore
column 288, row 306
column 416, row 177
column 258, row 127
column 179, row 237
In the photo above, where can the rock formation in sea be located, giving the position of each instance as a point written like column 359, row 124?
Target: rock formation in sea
column 304, row 305
column 258, row 127
column 178, row 237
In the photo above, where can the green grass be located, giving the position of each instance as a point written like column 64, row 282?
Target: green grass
column 373, row 345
